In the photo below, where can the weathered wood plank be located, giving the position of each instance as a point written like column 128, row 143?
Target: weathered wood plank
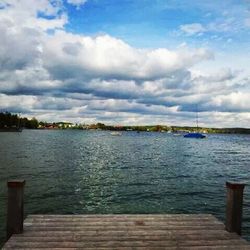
column 123, row 217
column 120, row 218
column 134, row 243
column 146, row 229
column 119, row 215
column 125, row 232
column 221, row 247
column 101, row 248
column 232, row 247
column 127, row 219
column 119, row 232
column 122, row 237
column 138, row 223
column 115, row 222
column 214, row 242
column 85, row 222
column 122, row 221
column 111, row 244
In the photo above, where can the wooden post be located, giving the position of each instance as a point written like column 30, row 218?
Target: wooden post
column 234, row 207
column 15, row 212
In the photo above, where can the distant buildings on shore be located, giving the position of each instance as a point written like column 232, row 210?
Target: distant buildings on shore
column 10, row 121
column 101, row 126
column 56, row 125
column 149, row 128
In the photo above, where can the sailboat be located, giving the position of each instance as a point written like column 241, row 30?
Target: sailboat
column 195, row 135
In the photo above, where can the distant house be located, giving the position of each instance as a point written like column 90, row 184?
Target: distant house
column 50, row 126
column 64, row 125
column 40, row 126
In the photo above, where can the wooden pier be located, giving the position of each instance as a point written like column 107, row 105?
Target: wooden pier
column 148, row 231
column 124, row 232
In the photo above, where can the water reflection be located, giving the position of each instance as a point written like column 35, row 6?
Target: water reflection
column 71, row 172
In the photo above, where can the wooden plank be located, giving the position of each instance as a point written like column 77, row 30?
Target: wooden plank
column 124, row 228
column 102, row 242
column 113, row 222
column 120, row 236
column 221, row 247
column 102, row 248
column 232, row 247
column 178, row 233
column 124, row 217
column 120, row 218
column 124, row 224
column 108, row 221
column 214, row 242
column 135, row 243
column 119, row 215
column 111, row 244
column 128, row 222
column 125, row 232
column 143, row 221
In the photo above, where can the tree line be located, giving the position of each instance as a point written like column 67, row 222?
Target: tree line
column 8, row 120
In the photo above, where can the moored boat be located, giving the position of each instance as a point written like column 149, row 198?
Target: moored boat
column 195, row 135
column 116, row 133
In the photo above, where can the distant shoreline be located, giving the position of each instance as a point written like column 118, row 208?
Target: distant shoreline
column 13, row 123
column 158, row 128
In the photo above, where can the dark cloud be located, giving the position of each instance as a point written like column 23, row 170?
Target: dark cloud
column 60, row 75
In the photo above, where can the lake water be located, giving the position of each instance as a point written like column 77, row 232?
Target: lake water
column 72, row 171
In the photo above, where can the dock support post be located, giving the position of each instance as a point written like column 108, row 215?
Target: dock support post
column 15, row 211
column 234, row 207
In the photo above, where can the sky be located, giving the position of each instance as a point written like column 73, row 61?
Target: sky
column 130, row 62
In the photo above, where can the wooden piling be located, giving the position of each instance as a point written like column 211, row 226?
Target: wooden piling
column 234, row 207
column 124, row 231
column 15, row 210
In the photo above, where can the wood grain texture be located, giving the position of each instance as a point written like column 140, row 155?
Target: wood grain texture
column 102, row 232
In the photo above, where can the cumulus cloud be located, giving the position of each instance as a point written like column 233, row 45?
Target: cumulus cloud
column 58, row 75
column 233, row 102
column 37, row 15
column 110, row 58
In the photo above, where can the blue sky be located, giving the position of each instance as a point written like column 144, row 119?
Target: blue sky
column 128, row 62
column 147, row 23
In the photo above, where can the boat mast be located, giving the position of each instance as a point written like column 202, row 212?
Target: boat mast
column 197, row 120
column 18, row 121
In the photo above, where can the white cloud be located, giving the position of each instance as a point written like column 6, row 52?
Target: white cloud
column 12, row 103
column 224, row 25
column 77, row 3
column 217, row 26
column 64, row 76
column 193, row 28
column 29, row 13
column 236, row 101
column 108, row 57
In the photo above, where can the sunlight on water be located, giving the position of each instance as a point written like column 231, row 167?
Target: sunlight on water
column 70, row 172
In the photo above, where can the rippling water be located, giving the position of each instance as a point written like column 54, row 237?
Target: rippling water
column 70, row 172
